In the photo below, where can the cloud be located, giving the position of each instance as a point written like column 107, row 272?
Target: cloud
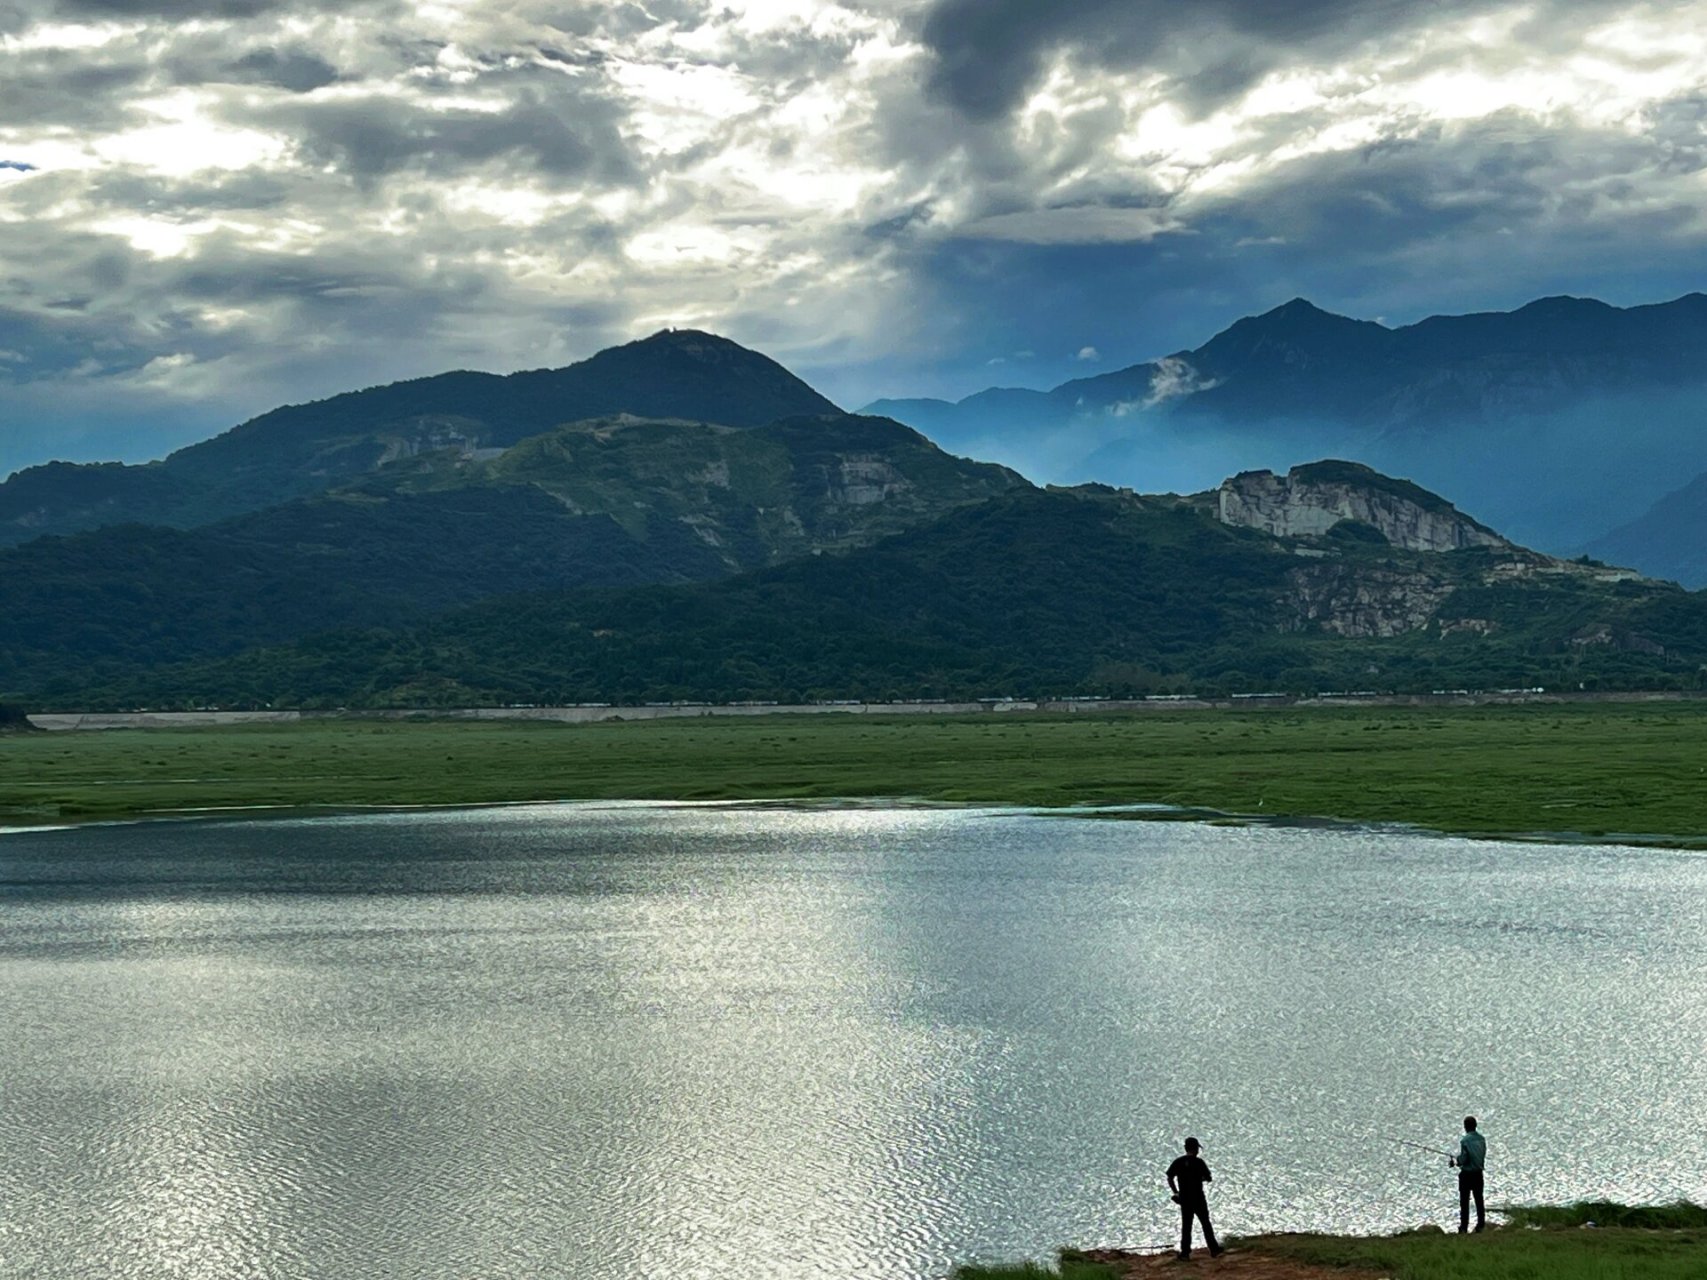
column 1073, row 224
column 988, row 55
column 63, row 89
column 375, row 135
column 1175, row 379
column 176, row 10
column 292, row 69
column 1088, row 354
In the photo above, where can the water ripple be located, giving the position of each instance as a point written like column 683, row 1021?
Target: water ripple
column 615, row 1042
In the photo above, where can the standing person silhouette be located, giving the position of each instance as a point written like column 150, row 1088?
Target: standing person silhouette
column 1186, row 1177
column 1471, row 1158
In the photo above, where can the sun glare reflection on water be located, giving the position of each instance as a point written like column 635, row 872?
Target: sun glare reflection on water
column 633, row 1040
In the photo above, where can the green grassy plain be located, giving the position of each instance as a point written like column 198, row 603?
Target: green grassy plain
column 1603, row 770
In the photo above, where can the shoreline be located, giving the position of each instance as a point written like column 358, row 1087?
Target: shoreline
column 1136, row 812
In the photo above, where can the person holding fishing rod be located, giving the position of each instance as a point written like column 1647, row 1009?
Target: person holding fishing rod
column 1186, row 1176
column 1471, row 1158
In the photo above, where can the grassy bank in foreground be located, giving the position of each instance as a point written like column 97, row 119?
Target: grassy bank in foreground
column 1598, row 770
column 1661, row 1243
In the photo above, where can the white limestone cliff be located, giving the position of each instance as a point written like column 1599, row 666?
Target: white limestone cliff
column 1311, row 500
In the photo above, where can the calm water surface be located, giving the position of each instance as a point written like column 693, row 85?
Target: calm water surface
column 646, row 1041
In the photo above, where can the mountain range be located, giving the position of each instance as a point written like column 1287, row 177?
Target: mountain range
column 683, row 518
column 1557, row 422
column 1560, row 423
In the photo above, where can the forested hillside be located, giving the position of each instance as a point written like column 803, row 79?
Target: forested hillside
column 1068, row 592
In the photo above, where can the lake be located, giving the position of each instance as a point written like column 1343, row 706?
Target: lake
column 627, row 1040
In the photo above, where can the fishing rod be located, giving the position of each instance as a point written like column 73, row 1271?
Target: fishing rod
column 1406, row 1142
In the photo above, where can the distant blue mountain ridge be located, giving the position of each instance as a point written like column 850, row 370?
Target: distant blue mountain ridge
column 1555, row 422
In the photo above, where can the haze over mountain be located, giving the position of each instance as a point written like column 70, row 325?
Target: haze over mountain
column 1669, row 540
column 1555, row 422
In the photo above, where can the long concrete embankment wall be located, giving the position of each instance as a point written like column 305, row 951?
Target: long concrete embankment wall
column 591, row 714
column 564, row 715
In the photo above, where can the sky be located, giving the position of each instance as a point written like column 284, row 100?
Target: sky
column 212, row 207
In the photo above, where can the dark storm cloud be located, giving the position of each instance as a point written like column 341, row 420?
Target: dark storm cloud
column 177, row 10
column 57, row 338
column 1679, row 129
column 566, row 135
column 221, row 55
column 292, row 69
column 344, row 279
column 1477, row 180
column 987, row 54
column 71, row 89
column 118, row 190
column 19, row 15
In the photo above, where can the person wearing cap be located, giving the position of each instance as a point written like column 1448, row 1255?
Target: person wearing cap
column 1472, row 1157
column 1186, row 1178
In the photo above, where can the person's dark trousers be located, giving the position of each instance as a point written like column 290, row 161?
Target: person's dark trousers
column 1469, row 1184
column 1199, row 1209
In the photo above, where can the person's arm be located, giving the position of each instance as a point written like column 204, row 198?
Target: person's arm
column 1207, row 1176
column 1173, row 1186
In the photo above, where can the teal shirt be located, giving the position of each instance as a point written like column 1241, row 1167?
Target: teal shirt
column 1472, row 1152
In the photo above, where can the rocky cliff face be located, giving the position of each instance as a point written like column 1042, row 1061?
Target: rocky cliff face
column 1361, row 602
column 1363, row 599
column 1311, row 500
column 1336, row 517
column 756, row 496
